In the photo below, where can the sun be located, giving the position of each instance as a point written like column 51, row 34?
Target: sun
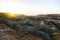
column 11, row 7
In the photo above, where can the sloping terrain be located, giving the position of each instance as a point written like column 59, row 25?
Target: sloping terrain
column 7, row 33
column 22, row 27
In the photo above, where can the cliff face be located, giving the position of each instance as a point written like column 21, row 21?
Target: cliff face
column 24, row 28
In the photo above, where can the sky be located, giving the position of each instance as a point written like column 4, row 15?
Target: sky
column 30, row 7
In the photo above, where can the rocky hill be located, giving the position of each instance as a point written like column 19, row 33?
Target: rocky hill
column 28, row 28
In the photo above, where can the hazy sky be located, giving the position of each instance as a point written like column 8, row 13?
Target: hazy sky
column 30, row 7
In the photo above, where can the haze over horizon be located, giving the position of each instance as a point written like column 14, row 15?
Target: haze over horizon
column 30, row 7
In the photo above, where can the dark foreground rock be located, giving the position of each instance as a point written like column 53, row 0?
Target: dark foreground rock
column 7, row 33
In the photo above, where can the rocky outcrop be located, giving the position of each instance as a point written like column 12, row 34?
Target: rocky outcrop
column 28, row 28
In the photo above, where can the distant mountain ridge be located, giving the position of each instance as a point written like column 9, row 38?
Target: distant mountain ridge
column 50, row 16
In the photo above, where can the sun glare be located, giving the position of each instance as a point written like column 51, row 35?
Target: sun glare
column 10, row 7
